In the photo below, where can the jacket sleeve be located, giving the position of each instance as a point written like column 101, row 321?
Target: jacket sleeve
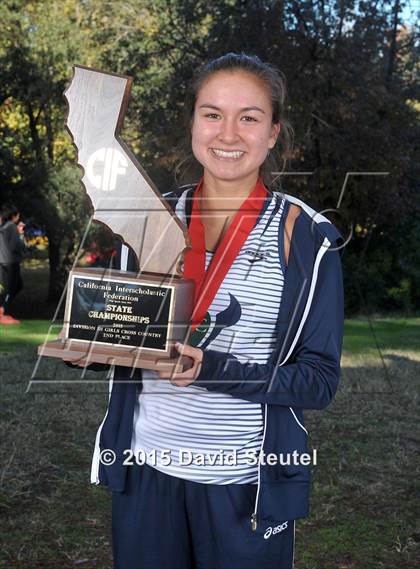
column 310, row 378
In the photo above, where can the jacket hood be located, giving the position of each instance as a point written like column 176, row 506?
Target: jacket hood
column 323, row 224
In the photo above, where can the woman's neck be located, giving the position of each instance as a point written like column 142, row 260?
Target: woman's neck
column 225, row 195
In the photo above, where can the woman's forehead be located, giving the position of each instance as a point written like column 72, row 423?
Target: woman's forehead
column 239, row 88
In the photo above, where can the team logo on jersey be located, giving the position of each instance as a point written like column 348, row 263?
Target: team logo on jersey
column 201, row 331
column 223, row 319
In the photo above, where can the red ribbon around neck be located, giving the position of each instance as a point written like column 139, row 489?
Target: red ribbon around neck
column 207, row 283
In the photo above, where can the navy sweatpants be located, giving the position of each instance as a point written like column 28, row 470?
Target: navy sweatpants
column 164, row 522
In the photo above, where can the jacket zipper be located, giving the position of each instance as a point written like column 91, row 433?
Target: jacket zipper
column 254, row 514
column 323, row 249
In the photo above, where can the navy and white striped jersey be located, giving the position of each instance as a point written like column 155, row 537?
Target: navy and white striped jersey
column 211, row 437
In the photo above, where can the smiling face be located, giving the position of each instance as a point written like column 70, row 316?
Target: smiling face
column 232, row 128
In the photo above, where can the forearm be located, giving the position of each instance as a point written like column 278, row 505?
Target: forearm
column 308, row 383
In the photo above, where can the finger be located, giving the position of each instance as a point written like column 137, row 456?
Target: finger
column 181, row 382
column 164, row 375
column 187, row 363
column 182, row 376
column 186, row 350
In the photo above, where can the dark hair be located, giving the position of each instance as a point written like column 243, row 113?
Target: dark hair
column 189, row 169
column 8, row 212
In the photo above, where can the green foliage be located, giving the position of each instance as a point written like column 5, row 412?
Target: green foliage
column 401, row 295
column 66, row 212
column 37, row 48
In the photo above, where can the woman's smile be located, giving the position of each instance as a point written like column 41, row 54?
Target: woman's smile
column 227, row 155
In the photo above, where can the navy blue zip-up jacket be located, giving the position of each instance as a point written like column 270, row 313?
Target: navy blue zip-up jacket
column 302, row 373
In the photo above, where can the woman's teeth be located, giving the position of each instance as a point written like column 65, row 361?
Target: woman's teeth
column 225, row 154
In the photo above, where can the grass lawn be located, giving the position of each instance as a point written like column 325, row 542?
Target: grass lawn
column 365, row 494
column 27, row 333
column 364, row 336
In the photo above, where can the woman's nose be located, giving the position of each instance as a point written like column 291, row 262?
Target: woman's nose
column 228, row 131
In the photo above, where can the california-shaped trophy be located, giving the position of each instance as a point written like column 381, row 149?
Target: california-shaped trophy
column 113, row 316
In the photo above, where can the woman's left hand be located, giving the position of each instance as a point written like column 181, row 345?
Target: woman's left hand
column 191, row 374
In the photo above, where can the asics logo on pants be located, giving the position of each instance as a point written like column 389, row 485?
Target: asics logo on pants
column 272, row 531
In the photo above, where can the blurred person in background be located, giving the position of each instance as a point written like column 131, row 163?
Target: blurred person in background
column 12, row 248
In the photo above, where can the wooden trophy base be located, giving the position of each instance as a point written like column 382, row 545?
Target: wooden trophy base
column 78, row 353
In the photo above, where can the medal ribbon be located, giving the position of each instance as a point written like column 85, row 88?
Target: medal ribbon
column 207, row 283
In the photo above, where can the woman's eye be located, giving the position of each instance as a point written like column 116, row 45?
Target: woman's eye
column 249, row 119
column 211, row 116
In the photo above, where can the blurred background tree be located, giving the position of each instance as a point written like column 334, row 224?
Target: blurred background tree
column 352, row 70
column 39, row 41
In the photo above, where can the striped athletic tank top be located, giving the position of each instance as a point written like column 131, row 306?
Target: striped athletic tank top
column 210, row 437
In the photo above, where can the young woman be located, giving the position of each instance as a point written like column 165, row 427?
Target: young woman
column 225, row 473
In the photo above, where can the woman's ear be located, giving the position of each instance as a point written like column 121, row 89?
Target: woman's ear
column 275, row 131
